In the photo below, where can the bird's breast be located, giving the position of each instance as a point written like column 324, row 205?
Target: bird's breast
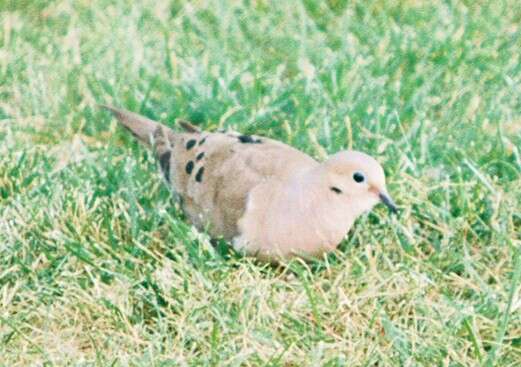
column 278, row 224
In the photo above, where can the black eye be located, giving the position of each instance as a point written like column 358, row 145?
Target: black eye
column 336, row 189
column 358, row 177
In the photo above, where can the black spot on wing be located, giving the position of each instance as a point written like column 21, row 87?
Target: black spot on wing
column 190, row 144
column 201, row 142
column 164, row 162
column 199, row 175
column 248, row 139
column 335, row 189
column 199, row 156
column 189, row 167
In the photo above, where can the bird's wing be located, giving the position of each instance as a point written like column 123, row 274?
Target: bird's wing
column 213, row 173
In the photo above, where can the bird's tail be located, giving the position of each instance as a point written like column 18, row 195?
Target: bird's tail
column 144, row 129
column 151, row 133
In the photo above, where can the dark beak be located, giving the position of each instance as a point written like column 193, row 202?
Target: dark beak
column 389, row 203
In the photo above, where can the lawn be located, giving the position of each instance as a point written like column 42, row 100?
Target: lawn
column 97, row 264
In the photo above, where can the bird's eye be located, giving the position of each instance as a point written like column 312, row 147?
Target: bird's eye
column 358, row 177
column 336, row 190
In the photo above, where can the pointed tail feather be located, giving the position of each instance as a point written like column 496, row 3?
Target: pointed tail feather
column 141, row 127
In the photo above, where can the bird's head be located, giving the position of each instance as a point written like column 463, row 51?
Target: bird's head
column 357, row 178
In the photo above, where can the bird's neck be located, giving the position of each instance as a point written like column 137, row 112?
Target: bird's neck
column 314, row 197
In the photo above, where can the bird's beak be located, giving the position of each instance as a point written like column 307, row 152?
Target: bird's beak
column 389, row 203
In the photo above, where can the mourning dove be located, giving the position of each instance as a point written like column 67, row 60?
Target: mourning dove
column 269, row 199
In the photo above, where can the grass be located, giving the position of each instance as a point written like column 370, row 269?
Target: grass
column 97, row 265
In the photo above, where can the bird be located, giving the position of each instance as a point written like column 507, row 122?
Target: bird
column 268, row 199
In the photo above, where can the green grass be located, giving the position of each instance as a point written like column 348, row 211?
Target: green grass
column 97, row 265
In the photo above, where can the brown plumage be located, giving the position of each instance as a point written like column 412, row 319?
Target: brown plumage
column 257, row 192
